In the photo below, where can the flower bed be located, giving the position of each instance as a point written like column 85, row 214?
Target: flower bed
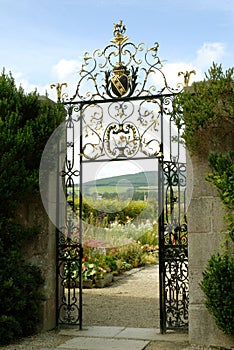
column 100, row 262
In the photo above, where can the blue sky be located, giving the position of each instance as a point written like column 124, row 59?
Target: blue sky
column 43, row 42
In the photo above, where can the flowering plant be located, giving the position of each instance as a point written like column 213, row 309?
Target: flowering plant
column 88, row 270
column 94, row 266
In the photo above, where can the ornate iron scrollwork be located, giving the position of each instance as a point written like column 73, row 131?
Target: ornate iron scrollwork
column 129, row 130
column 121, row 140
column 121, row 70
column 175, row 246
column 69, row 266
column 122, row 109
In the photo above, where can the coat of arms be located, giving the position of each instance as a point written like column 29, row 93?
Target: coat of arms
column 120, row 81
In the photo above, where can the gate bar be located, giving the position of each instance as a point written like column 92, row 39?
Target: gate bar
column 80, row 227
column 161, row 246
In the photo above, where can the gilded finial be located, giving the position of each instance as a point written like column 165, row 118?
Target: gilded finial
column 59, row 89
column 119, row 31
column 186, row 76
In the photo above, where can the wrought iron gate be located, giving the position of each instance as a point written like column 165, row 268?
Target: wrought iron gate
column 121, row 110
column 173, row 247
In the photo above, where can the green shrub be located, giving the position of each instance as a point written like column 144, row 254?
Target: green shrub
column 9, row 327
column 26, row 123
column 218, row 279
column 110, row 260
column 131, row 254
column 218, row 287
column 150, row 237
column 20, row 291
column 22, row 299
column 112, row 210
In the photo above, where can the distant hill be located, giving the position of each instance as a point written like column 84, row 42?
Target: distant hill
column 141, row 179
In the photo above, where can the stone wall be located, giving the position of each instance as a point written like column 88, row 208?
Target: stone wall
column 206, row 232
column 41, row 252
column 45, row 211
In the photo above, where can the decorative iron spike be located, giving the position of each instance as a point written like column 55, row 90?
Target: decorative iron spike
column 119, row 31
column 58, row 87
column 186, row 76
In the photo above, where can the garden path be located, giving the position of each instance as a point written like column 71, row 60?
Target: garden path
column 132, row 300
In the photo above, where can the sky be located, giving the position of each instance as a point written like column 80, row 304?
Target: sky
column 43, row 42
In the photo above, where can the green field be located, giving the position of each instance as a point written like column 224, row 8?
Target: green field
column 140, row 182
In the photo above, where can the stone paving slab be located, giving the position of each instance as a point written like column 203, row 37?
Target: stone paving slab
column 93, row 331
column 118, row 338
column 139, row 333
column 151, row 334
column 86, row 343
column 125, row 333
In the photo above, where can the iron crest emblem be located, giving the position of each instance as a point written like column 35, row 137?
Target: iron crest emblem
column 120, row 81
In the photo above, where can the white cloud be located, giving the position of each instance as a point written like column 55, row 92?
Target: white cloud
column 64, row 69
column 22, row 80
column 171, row 71
column 67, row 70
column 205, row 56
column 209, row 53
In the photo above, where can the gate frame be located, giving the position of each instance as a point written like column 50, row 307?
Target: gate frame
column 120, row 87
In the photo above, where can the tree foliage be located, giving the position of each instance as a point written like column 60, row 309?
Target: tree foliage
column 199, row 112
column 26, row 122
column 206, row 104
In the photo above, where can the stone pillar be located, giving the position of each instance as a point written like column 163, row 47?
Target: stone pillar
column 41, row 252
column 206, row 231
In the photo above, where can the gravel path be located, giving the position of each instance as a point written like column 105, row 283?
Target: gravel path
column 131, row 301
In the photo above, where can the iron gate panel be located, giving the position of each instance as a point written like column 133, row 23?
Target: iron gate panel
column 69, row 239
column 174, row 247
column 124, row 117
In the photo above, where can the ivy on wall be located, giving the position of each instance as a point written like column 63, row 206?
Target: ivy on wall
column 222, row 177
column 218, row 278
